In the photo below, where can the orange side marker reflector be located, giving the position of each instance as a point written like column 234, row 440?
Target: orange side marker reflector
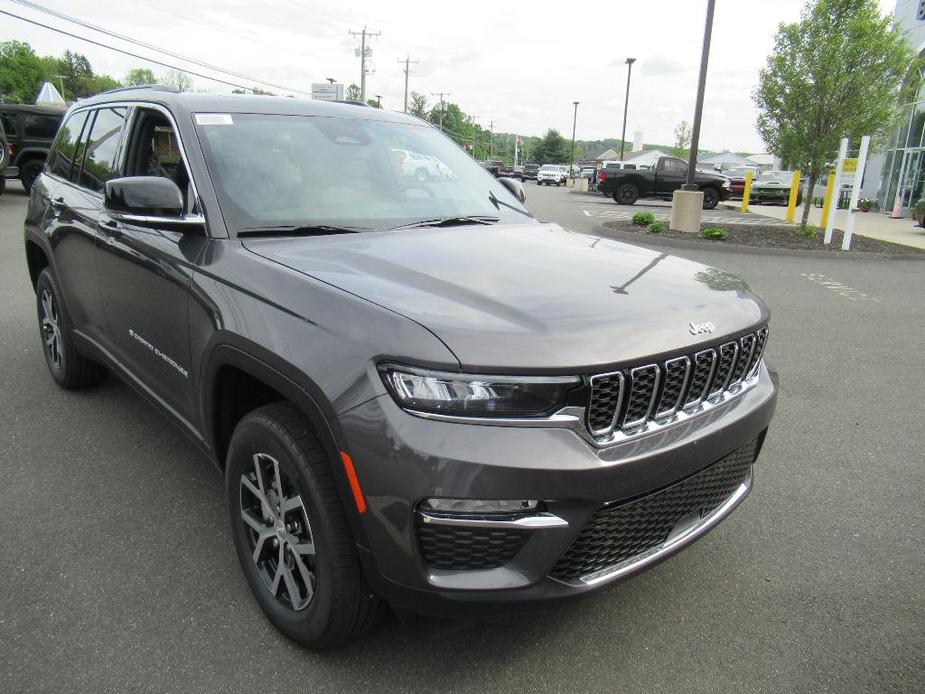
column 354, row 483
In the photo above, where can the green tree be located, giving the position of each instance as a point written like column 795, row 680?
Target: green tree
column 552, row 149
column 417, row 105
column 140, row 75
column 682, row 139
column 841, row 71
column 21, row 72
column 352, row 93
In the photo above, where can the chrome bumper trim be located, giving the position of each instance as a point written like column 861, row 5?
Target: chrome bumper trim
column 536, row 522
column 676, row 540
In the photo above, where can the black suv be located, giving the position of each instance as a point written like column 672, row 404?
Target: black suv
column 30, row 130
column 417, row 394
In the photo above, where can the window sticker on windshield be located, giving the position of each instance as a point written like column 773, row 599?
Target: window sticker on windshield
column 214, row 119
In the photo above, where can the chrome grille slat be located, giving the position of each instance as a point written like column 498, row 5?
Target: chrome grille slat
column 606, row 400
column 637, row 399
column 677, row 372
column 705, row 364
column 644, row 381
column 727, row 355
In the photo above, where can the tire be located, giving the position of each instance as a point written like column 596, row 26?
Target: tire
column 626, row 194
column 69, row 368
column 328, row 603
column 29, row 172
column 2, row 184
column 558, row 183
column 710, row 198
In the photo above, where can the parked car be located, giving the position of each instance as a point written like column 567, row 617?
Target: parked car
column 530, row 171
column 421, row 166
column 402, row 412
column 773, row 186
column 552, row 173
column 518, row 173
column 29, row 130
column 737, row 176
column 495, row 167
column 670, row 173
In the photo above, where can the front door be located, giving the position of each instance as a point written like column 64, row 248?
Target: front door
column 672, row 175
column 145, row 272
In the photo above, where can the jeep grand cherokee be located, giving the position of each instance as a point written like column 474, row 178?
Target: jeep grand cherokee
column 418, row 395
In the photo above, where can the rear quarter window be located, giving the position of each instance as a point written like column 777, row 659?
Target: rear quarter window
column 66, row 148
column 40, row 126
column 10, row 124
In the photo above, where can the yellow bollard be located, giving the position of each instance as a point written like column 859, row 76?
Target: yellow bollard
column 827, row 202
column 794, row 192
column 747, row 192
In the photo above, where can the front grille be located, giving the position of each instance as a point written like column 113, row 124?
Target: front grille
column 618, row 532
column 626, row 400
column 467, row 549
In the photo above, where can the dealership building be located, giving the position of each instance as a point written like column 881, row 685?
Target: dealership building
column 901, row 168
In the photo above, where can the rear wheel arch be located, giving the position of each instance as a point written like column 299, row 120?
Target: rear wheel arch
column 36, row 259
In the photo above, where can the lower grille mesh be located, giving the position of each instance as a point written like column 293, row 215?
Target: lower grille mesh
column 466, row 549
column 618, row 532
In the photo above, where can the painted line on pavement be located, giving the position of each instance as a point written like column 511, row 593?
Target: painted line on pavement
column 844, row 290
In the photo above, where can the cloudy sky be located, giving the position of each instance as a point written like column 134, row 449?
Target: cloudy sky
column 520, row 64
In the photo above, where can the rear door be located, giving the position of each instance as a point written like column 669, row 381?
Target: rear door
column 72, row 227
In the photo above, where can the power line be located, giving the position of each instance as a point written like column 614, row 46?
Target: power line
column 120, row 50
column 142, row 44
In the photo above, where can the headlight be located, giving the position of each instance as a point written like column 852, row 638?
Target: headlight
column 471, row 395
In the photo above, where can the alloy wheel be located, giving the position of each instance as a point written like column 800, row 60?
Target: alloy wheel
column 51, row 329
column 278, row 532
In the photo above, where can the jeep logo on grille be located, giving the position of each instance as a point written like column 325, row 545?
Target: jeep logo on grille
column 701, row 328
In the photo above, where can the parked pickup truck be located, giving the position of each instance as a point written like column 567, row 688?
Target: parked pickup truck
column 669, row 174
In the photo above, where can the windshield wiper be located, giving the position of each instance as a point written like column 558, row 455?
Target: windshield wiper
column 450, row 221
column 305, row 230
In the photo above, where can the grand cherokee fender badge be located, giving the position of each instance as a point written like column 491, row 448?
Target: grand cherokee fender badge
column 701, row 328
column 157, row 353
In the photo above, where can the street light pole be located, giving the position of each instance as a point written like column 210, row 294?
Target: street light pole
column 626, row 103
column 571, row 159
column 701, row 87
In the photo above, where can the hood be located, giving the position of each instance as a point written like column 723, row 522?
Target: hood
column 528, row 296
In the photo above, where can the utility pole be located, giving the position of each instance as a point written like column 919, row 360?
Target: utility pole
column 407, row 61
column 441, row 95
column 491, row 143
column 61, row 84
column 362, row 52
column 571, row 159
column 626, row 104
column 701, row 87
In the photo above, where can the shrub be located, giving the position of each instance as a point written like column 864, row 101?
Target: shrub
column 713, row 233
column 866, row 204
column 920, row 212
column 643, row 219
column 657, row 227
column 811, row 231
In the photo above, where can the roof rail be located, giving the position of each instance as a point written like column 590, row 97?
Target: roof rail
column 151, row 87
column 353, row 103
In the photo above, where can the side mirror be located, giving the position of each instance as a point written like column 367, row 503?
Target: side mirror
column 144, row 197
column 515, row 186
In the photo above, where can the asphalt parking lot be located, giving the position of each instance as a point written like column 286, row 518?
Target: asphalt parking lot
column 118, row 573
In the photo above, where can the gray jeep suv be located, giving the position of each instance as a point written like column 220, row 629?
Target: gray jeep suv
column 417, row 394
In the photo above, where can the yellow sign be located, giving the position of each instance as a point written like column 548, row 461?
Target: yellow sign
column 850, row 166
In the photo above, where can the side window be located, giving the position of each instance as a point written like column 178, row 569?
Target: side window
column 40, row 126
column 65, row 149
column 10, row 124
column 154, row 150
column 100, row 159
column 674, row 166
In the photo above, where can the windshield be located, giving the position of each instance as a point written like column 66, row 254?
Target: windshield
column 550, row 167
column 295, row 171
column 775, row 177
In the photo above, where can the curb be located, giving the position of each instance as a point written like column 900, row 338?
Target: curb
column 665, row 242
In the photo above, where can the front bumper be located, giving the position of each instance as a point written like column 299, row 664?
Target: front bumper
column 401, row 459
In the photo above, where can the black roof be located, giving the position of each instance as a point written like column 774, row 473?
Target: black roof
column 189, row 102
